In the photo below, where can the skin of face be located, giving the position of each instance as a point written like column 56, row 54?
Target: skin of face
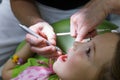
column 84, row 60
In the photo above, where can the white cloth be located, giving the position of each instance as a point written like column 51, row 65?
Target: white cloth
column 10, row 33
column 52, row 15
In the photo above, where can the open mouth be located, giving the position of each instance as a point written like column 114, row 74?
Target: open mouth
column 63, row 58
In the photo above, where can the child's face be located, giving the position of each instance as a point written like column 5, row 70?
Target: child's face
column 85, row 59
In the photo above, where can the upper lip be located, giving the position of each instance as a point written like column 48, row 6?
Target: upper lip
column 63, row 58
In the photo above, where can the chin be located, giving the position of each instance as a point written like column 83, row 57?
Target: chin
column 57, row 71
column 57, row 68
column 54, row 67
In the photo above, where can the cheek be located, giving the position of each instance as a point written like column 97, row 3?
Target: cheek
column 78, row 64
column 59, row 68
column 73, row 68
column 74, row 64
column 76, row 59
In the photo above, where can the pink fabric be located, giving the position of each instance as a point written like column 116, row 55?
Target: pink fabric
column 35, row 73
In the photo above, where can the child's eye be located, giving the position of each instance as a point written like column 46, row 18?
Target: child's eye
column 88, row 52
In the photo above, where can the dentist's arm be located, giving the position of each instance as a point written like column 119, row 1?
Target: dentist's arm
column 84, row 22
column 26, row 11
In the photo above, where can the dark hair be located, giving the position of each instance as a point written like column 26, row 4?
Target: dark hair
column 111, row 70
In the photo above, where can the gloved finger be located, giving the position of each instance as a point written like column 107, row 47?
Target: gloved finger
column 73, row 28
column 44, row 50
column 82, row 34
column 35, row 41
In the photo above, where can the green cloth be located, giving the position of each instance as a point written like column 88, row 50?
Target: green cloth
column 32, row 62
